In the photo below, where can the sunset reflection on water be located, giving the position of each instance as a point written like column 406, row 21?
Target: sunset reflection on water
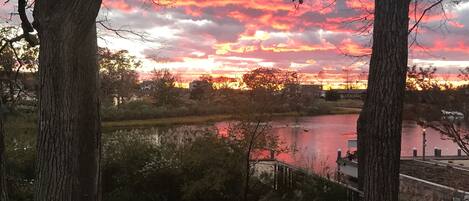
column 313, row 141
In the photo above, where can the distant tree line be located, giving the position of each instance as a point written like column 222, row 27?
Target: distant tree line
column 120, row 87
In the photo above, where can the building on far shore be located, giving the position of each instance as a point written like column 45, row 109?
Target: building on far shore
column 307, row 90
column 311, row 90
column 351, row 93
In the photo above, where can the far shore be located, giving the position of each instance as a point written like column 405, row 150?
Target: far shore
column 112, row 125
column 183, row 120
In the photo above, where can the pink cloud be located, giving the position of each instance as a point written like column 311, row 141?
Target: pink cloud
column 276, row 32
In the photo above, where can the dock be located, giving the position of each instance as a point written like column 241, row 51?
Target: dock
column 287, row 176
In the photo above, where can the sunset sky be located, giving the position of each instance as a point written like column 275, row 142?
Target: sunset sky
column 230, row 37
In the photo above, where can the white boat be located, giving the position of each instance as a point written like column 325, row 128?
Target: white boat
column 452, row 115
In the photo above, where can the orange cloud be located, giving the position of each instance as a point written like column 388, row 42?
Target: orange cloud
column 347, row 46
column 272, row 5
column 225, row 48
column 282, row 47
column 263, row 41
column 361, row 4
column 447, row 46
column 196, row 12
column 117, row 4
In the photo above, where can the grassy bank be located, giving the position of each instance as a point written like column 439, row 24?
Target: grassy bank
column 346, row 110
column 111, row 125
column 27, row 121
column 166, row 121
column 208, row 119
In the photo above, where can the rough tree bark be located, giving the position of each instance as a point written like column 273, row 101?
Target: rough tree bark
column 380, row 122
column 3, row 180
column 68, row 145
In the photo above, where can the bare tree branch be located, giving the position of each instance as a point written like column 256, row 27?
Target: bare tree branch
column 423, row 15
column 122, row 32
column 25, row 24
column 453, row 132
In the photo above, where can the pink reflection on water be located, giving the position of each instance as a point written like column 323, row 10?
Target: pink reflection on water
column 313, row 141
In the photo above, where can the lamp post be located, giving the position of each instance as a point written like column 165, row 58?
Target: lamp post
column 424, row 143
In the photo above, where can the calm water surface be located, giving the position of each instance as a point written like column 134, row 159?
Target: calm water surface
column 314, row 141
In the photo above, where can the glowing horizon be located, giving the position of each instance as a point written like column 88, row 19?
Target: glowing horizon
column 337, row 82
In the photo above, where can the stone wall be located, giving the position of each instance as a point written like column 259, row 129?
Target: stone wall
column 414, row 189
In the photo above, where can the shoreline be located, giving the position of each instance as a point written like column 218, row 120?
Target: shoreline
column 194, row 120
column 189, row 120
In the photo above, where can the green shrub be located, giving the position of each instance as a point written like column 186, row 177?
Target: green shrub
column 20, row 156
column 144, row 110
column 138, row 167
column 127, row 156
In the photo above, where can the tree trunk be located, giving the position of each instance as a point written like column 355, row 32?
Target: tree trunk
column 380, row 123
column 362, row 146
column 247, row 177
column 3, row 179
column 69, row 137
